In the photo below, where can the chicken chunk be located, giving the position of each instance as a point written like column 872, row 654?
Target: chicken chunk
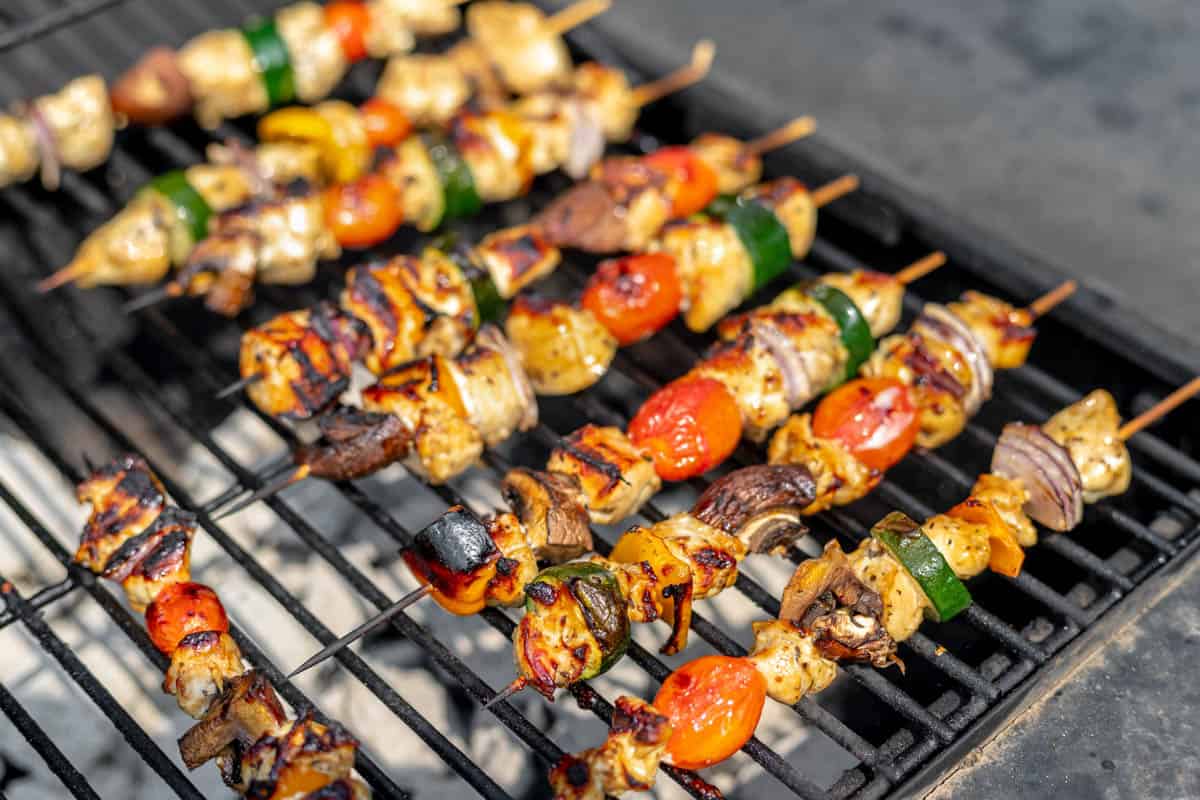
column 1008, row 498
column 494, row 388
column 222, row 76
column 793, row 207
column 528, row 55
column 903, row 601
column 516, row 257
column 617, row 477
column 789, row 661
column 158, row 556
column 1005, row 332
column 1088, row 429
column 19, row 155
column 713, row 555
column 930, row 368
column 736, row 168
column 714, row 268
column 879, row 296
column 314, row 50
column 563, row 348
column 430, row 88
column 201, row 666
column 126, row 499
column 79, row 119
column 840, row 477
column 626, row 762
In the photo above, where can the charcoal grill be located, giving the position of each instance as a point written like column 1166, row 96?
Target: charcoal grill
column 965, row 678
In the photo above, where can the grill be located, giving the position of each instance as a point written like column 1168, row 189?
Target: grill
column 74, row 368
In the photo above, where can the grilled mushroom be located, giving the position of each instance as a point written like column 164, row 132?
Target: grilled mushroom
column 247, row 710
column 553, row 511
column 760, row 505
column 358, row 443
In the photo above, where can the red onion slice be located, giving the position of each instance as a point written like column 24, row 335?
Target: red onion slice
column 938, row 321
column 1046, row 471
column 47, row 149
column 797, row 385
column 586, row 146
column 491, row 336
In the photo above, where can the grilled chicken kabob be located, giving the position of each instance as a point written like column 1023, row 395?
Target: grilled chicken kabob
column 299, row 54
column 204, row 223
column 834, row 606
column 578, row 612
column 136, row 538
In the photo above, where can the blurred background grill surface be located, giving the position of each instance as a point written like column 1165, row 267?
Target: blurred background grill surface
column 1064, row 127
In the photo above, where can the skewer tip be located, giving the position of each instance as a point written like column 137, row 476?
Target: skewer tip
column 797, row 129
column 834, row 190
column 694, row 71
column 517, row 685
column 274, row 487
column 575, row 15
column 68, row 274
column 239, row 384
column 1160, row 409
column 1052, row 298
column 151, row 298
column 919, row 269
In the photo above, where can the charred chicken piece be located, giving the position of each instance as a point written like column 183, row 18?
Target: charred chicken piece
column 1006, row 332
column 938, row 375
column 615, row 475
column 563, row 348
column 551, row 508
column 627, row 760
column 516, row 257
column 840, row 478
column 714, row 267
column 158, row 556
column 754, row 368
column 126, row 499
column 655, row 580
column 202, row 664
column 356, row 444
column 304, row 758
column 761, row 505
column 246, row 710
column 712, row 554
column 379, row 295
column 496, row 148
column 304, row 358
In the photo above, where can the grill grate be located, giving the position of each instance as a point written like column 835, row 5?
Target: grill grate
column 963, row 676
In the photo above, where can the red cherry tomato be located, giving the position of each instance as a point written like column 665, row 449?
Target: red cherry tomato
column 875, row 418
column 694, row 182
column 688, row 427
column 386, row 123
column 634, row 296
column 183, row 608
column 714, row 704
column 364, row 212
column 349, row 21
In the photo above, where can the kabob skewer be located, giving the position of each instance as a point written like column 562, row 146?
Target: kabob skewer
column 135, row 537
column 708, row 709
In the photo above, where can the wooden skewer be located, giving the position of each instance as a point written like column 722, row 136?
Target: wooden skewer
column 685, row 76
column 295, row 476
column 919, row 269
column 839, row 187
column 575, row 15
column 794, row 130
column 517, row 685
column 68, row 274
column 1052, row 298
column 240, row 384
column 1160, row 409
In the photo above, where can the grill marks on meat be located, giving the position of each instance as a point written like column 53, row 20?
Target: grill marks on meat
column 126, row 499
column 145, row 563
column 626, row 762
column 616, row 476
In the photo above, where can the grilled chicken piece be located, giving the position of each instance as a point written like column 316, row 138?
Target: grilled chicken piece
column 930, row 368
column 840, row 477
column 357, row 443
column 1088, row 429
column 495, row 147
column 379, row 295
column 626, row 762
column 304, row 358
column 494, row 388
column 422, row 17
column 794, row 207
column 607, row 92
column 160, row 555
column 659, row 586
column 388, row 32
column 201, row 666
column 616, row 476
column 426, row 398
column 126, row 499
column 225, row 184
column 563, row 348
column 750, row 368
column 517, row 564
column 712, row 554
column 556, row 643
column 903, row 601
column 307, row 757
column 548, row 117
column 879, row 296
column 761, row 505
column 516, row 257
column 736, row 168
column 714, row 268
column 963, row 544
column 412, row 171
column 222, row 78
column 1006, row 333
column 314, row 51
column 18, row 149
column 527, row 55
column 551, row 509
column 1008, row 497
column 487, row 90
column 430, row 88
column 442, row 290
column 789, row 661
column 246, row 710
column 137, row 246
column 79, row 121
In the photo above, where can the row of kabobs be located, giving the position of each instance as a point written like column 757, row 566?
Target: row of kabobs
column 299, row 54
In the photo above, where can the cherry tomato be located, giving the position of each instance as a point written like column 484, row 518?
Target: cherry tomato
column 875, row 418
column 386, row 123
column 349, row 21
column 183, row 608
column 364, row 212
column 688, row 426
column 714, row 704
column 634, row 296
column 695, row 184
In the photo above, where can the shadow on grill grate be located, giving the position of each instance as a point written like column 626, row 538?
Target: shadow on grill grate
column 79, row 376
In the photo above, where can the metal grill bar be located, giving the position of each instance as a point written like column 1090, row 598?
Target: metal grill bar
column 71, row 778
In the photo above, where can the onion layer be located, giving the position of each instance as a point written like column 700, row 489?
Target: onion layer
column 1045, row 469
column 938, row 321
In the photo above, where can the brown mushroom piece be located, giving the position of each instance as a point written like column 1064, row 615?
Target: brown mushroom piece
column 356, row 444
column 761, row 505
column 247, row 710
column 553, row 511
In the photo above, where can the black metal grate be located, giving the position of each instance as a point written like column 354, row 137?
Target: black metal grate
column 963, row 676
